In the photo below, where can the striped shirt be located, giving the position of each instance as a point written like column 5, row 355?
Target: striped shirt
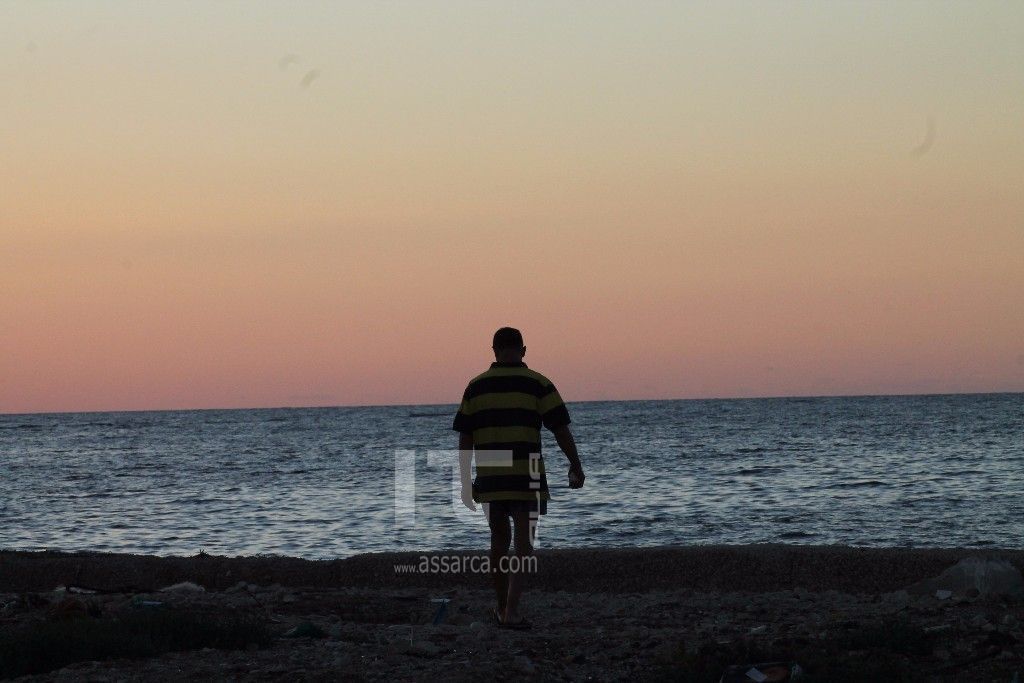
column 503, row 409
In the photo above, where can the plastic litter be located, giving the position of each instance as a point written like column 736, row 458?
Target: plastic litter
column 183, row 587
column 767, row 672
column 305, row 630
column 140, row 602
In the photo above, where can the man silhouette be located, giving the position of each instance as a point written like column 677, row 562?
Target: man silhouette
column 500, row 417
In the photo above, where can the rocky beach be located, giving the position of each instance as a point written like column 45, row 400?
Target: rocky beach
column 672, row 613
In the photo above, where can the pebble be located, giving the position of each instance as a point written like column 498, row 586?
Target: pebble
column 525, row 664
column 424, row 648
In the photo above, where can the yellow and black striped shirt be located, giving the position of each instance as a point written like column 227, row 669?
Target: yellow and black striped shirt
column 504, row 409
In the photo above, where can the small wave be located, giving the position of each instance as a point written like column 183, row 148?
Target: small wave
column 796, row 534
column 865, row 483
column 766, row 469
column 787, row 519
column 428, row 414
column 23, row 426
column 751, row 449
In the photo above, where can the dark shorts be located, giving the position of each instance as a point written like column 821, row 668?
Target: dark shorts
column 507, row 508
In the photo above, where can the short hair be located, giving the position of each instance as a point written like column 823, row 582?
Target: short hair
column 507, row 338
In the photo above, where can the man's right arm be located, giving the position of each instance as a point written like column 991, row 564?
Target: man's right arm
column 463, row 424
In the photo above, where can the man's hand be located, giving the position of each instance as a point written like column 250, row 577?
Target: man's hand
column 466, row 469
column 467, row 498
column 563, row 435
column 576, row 477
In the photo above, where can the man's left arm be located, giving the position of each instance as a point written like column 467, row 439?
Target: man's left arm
column 555, row 417
column 466, row 468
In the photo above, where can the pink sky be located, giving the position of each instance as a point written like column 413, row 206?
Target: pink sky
column 701, row 201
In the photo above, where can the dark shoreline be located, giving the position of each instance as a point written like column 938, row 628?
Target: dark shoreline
column 668, row 613
column 755, row 568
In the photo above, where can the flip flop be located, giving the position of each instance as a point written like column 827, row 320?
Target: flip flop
column 521, row 625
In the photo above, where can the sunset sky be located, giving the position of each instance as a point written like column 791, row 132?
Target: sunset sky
column 293, row 204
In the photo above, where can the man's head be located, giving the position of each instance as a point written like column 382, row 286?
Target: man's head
column 508, row 345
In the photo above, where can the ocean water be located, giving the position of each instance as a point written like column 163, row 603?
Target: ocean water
column 321, row 482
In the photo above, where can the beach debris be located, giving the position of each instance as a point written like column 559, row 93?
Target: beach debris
column 899, row 599
column 525, row 664
column 756, row 675
column 758, row 630
column 442, row 610
column 306, row 629
column 768, row 672
column 26, row 601
column 67, row 608
column 424, row 648
column 183, row 587
column 942, row 594
column 140, row 602
column 974, row 577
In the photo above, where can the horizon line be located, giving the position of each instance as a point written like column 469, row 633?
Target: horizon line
column 602, row 400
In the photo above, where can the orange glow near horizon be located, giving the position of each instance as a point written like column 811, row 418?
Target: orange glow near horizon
column 704, row 201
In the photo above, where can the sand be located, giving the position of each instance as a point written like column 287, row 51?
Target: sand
column 598, row 614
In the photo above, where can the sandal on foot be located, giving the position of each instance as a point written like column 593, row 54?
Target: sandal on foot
column 521, row 625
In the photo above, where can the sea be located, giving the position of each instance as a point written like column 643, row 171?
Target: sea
column 880, row 471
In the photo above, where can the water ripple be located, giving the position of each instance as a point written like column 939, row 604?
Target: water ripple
column 923, row 471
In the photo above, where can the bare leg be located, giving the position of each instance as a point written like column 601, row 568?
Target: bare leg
column 501, row 536
column 524, row 528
